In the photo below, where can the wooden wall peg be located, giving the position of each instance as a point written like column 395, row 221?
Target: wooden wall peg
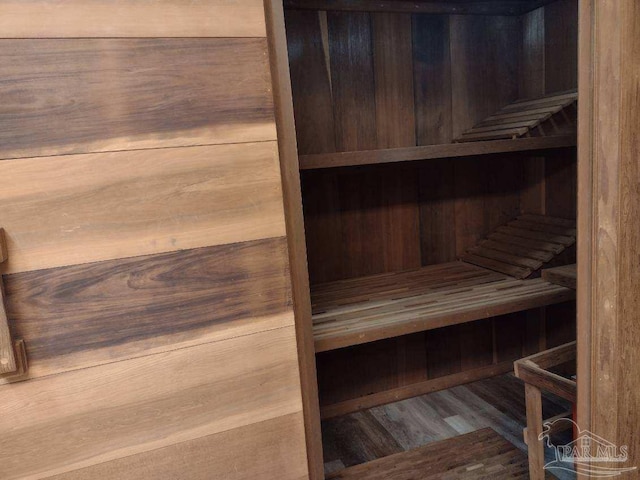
column 13, row 355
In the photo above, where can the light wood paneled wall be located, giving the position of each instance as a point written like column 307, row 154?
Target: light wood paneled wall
column 148, row 266
column 121, row 18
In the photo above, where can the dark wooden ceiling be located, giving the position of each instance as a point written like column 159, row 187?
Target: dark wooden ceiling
column 463, row 7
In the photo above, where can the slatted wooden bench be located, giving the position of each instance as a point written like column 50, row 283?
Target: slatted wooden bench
column 361, row 310
column 480, row 454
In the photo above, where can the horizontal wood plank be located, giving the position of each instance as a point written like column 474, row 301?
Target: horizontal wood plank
column 93, row 95
column 481, row 7
column 566, row 275
column 270, row 450
column 429, row 152
column 544, row 227
column 497, row 265
column 366, row 309
column 79, row 316
column 84, row 208
column 533, row 375
column 123, row 18
column 543, row 219
column 78, row 419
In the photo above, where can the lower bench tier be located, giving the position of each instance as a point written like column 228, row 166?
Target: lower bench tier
column 482, row 454
column 361, row 310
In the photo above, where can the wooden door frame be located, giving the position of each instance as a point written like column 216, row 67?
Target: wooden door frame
column 585, row 210
column 608, row 206
column 292, row 195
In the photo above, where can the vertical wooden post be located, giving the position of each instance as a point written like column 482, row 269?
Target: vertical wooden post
column 534, row 429
column 609, row 237
column 290, row 170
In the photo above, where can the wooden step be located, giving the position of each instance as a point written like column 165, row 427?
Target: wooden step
column 366, row 309
column 482, row 454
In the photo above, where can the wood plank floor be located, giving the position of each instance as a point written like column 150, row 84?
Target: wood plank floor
column 497, row 403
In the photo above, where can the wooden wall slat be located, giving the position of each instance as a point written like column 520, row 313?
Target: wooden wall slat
column 560, row 324
column 437, row 212
column 361, row 222
column 83, row 315
column 123, row 18
column 487, row 196
column 90, row 416
column 510, row 336
column 352, row 74
column 561, row 45
column 393, row 69
column 478, row 91
column 87, row 95
column 532, row 66
column 476, row 344
column 443, row 351
column 76, row 209
column 269, row 451
column 380, row 221
column 373, row 367
column 311, row 81
column 561, row 190
column 432, row 79
column 323, row 225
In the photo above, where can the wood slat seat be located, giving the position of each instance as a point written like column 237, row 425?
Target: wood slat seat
column 482, row 454
column 366, row 309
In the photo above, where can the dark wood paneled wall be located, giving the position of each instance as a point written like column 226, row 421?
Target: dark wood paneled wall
column 148, row 266
column 384, row 80
column 450, row 73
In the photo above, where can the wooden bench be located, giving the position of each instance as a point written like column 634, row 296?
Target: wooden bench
column 361, row 310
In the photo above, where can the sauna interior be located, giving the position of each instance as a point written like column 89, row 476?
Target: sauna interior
column 437, row 152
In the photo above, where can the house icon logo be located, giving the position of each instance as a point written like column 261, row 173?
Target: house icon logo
column 586, row 453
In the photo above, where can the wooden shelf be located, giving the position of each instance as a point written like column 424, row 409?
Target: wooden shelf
column 361, row 310
column 430, row 152
column 565, row 275
column 529, row 118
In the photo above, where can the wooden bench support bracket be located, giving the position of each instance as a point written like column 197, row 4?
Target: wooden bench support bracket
column 13, row 354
